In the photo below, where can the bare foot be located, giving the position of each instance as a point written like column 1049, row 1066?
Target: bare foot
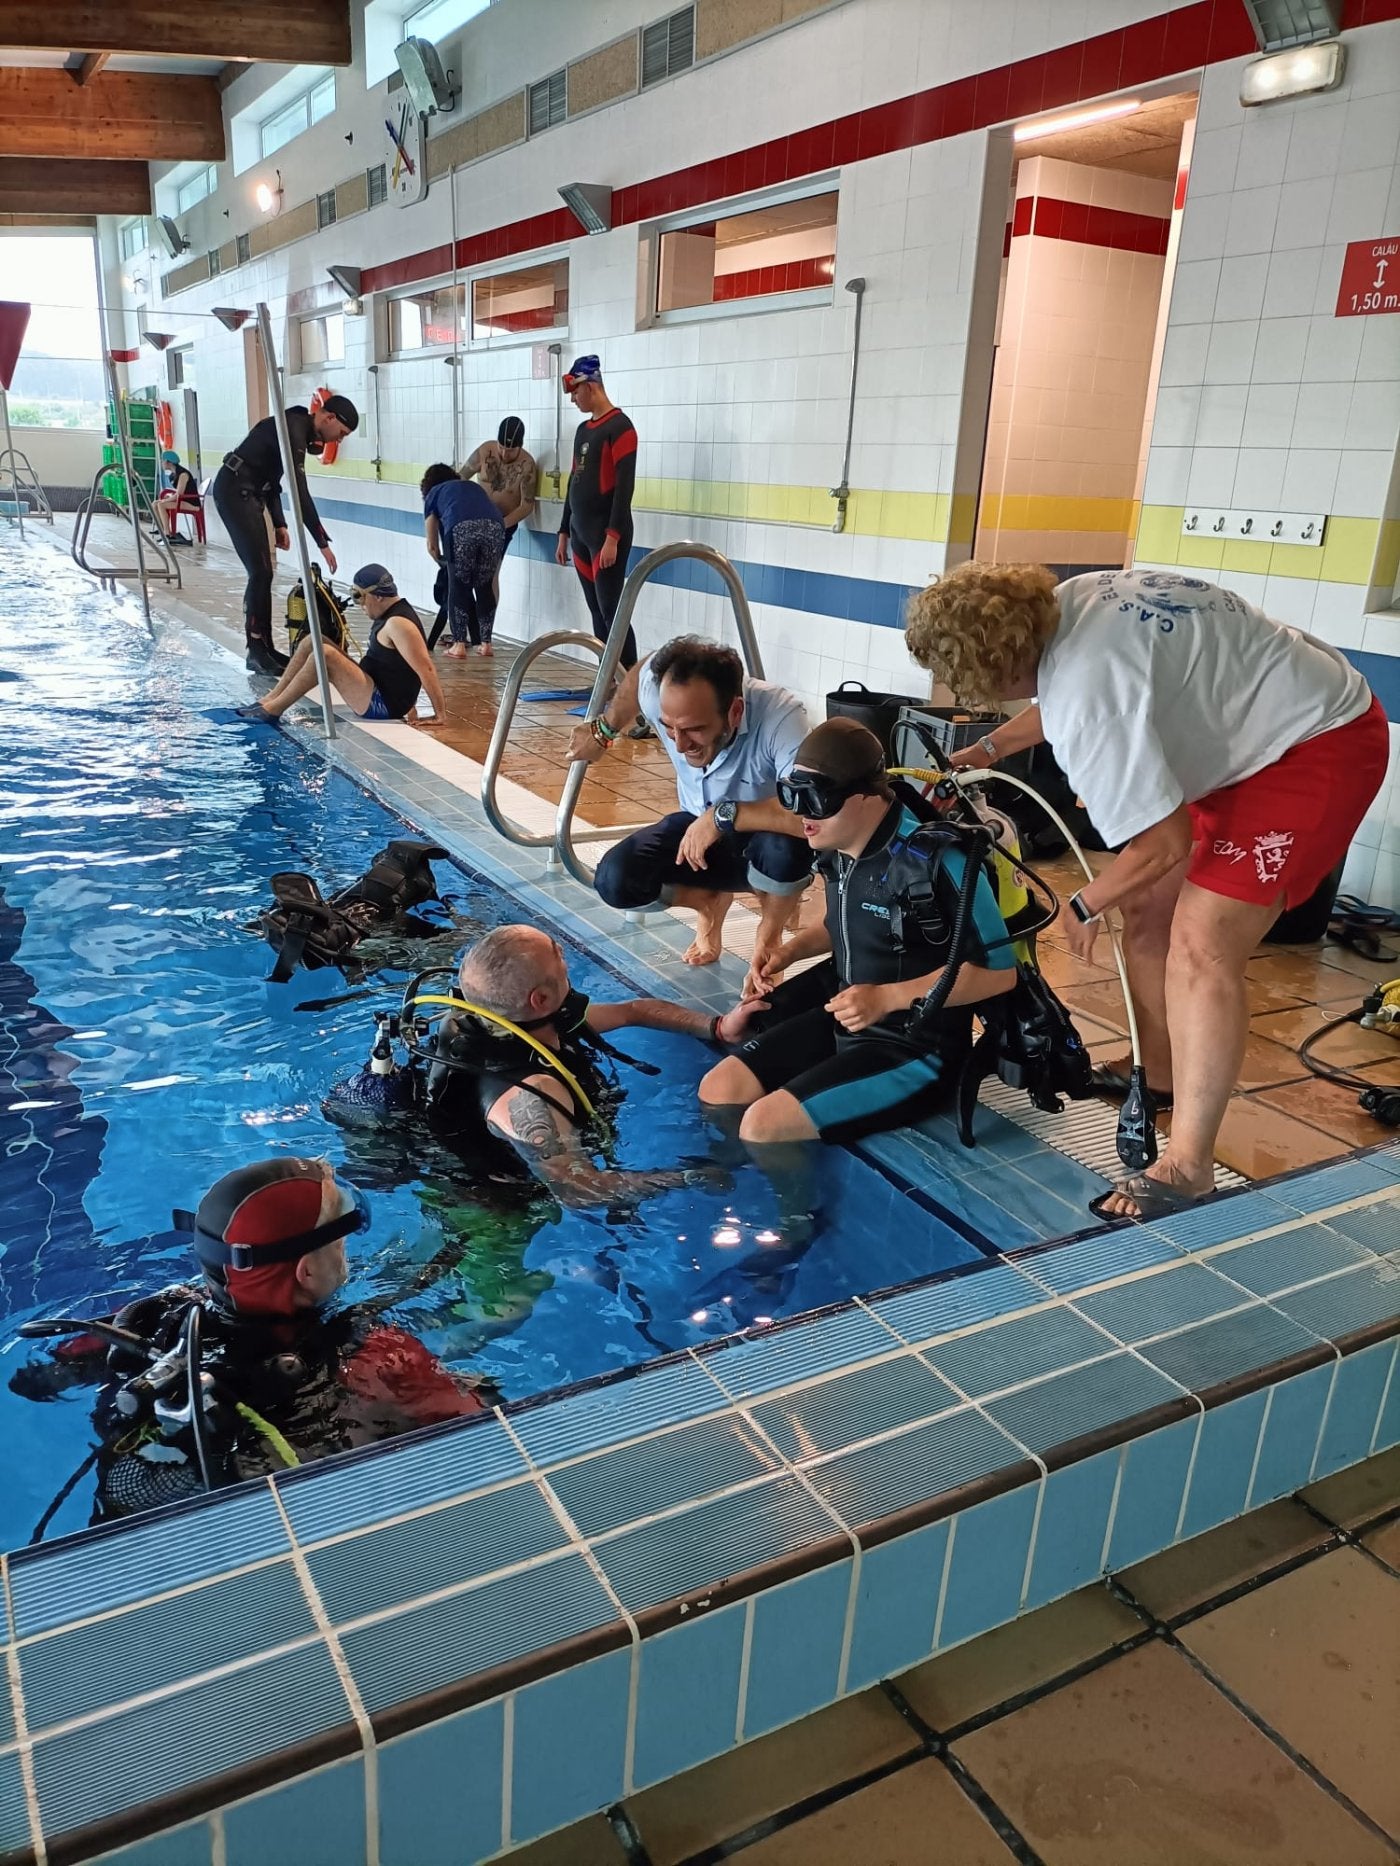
column 1122, row 1204
column 486, row 651
column 457, row 652
column 707, row 945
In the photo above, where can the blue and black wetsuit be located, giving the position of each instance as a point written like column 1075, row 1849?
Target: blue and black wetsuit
column 862, row 1082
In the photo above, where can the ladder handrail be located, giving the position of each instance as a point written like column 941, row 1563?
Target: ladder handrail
column 505, row 718
column 564, row 838
column 83, row 525
column 17, row 458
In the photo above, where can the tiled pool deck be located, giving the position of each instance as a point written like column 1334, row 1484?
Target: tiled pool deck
column 442, row 1648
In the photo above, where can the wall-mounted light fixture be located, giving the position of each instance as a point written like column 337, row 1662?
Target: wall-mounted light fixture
column 590, row 203
column 1076, row 120
column 347, row 278
column 158, row 339
column 1294, row 73
column 268, row 196
column 229, row 317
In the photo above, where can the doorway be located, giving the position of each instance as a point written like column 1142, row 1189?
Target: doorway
column 255, row 382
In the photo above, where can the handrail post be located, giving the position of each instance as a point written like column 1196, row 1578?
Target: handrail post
column 10, row 456
column 290, row 476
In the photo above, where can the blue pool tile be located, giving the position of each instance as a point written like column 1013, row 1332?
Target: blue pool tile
column 569, row 1751
column 896, row 1605
column 330, row 1498
column 148, row 1647
column 405, row 1560
column 1054, row 1174
column 1291, row 1429
column 1150, row 1491
column 1253, row 1338
column 317, row 1819
column 1224, row 1464
column 913, row 1467
column 1069, row 1267
column 1290, row 1258
column 1353, row 1412
column 1087, row 1399
column 636, row 1480
column 822, row 1418
column 958, row 1302
column 1356, row 1299
column 726, row 1536
column 425, row 1648
column 94, row 1572
column 1069, row 1538
column 688, row 1694
column 1012, row 1353
column 977, row 1206
column 1329, row 1185
column 767, row 1361
column 987, row 1566
column 14, row 1816
column 440, row 1790
column 1156, row 1304
column 622, row 1409
column 206, row 1730
column 191, row 1845
column 1234, row 1216
column 1377, row 1227
column 795, row 1652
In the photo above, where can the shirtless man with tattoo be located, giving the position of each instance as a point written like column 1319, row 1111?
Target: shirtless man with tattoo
column 519, row 972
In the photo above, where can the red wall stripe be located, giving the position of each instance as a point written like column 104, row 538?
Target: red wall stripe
column 1050, row 219
column 795, row 275
column 1200, row 34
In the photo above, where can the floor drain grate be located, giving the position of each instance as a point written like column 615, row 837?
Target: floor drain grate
column 1085, row 1131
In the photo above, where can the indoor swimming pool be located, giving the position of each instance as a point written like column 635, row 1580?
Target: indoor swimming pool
column 145, row 1054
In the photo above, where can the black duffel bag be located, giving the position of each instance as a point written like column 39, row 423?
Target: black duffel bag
column 879, row 711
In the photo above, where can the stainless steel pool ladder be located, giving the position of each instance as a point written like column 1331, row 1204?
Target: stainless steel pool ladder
column 562, row 842
column 24, row 482
column 166, row 568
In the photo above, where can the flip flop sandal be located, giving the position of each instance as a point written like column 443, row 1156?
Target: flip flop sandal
column 1154, row 1199
column 1106, row 1081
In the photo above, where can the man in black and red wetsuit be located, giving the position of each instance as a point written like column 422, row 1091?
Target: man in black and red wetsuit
column 597, row 522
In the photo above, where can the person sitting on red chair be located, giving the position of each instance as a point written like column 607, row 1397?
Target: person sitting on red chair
column 181, row 495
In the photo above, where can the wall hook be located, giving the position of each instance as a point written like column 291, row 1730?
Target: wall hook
column 1246, row 527
column 1193, row 521
column 1277, row 530
column 1219, row 524
column 1308, row 530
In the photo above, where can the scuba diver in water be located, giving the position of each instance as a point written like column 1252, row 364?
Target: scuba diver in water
column 511, row 1074
column 248, row 1371
column 304, row 928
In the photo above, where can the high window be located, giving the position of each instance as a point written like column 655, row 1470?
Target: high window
column 763, row 253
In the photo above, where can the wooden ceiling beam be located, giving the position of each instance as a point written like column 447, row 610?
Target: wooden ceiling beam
column 119, row 116
column 286, row 32
column 55, row 188
column 91, row 65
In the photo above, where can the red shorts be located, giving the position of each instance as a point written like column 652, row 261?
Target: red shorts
column 1281, row 831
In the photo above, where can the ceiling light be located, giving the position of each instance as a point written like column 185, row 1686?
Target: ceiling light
column 158, row 339
column 1078, row 120
column 230, row 318
column 590, row 203
column 268, row 197
column 1293, row 73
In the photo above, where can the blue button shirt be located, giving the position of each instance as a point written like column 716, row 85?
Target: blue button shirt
column 748, row 768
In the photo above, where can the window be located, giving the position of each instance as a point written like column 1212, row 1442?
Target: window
column 668, row 46
column 306, row 108
column 215, row 263
column 430, row 319
column 378, row 183
column 434, row 19
column 548, row 102
column 322, row 339
column 133, row 238
column 243, row 246
column 325, row 208
column 534, row 298
column 175, row 368
column 787, row 247
column 199, row 186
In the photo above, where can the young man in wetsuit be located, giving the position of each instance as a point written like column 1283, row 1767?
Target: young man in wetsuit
column 839, row 1058
column 247, row 491
column 519, row 973
column 270, row 1241
column 387, row 679
column 597, row 521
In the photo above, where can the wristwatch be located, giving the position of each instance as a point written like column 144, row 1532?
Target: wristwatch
column 1084, row 915
column 989, row 746
column 726, row 814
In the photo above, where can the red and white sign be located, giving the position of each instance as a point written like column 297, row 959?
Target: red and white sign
column 1370, row 278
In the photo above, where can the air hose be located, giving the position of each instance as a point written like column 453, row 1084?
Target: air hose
column 1379, row 1009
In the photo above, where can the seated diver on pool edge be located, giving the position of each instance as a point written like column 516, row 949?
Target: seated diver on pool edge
column 284, row 1379
column 510, row 1074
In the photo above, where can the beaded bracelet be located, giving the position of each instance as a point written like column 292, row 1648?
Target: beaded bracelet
column 602, row 731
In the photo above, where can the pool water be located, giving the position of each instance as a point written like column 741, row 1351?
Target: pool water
column 143, row 1053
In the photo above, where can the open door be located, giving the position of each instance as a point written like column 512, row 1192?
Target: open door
column 255, row 382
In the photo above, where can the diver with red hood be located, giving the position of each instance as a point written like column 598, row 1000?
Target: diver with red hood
column 248, row 1371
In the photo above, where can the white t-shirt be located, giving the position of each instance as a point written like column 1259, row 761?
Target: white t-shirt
column 747, row 770
column 1158, row 688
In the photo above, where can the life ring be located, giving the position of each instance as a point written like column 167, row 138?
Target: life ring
column 329, row 449
column 165, row 425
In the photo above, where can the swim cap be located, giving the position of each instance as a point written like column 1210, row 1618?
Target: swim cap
column 171, row 455
column 254, row 1226
column 583, row 369
column 343, row 409
column 511, row 432
column 375, row 580
column 841, row 749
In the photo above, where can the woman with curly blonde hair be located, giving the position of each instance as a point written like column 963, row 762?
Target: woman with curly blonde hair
column 1231, row 757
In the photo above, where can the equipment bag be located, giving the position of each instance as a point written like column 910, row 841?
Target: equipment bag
column 332, row 615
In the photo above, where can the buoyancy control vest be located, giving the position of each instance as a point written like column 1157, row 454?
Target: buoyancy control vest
column 304, row 928
column 328, row 607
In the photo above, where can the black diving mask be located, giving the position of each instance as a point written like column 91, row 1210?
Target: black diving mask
column 212, row 1250
column 815, row 796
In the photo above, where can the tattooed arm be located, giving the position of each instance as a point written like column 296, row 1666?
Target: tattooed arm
column 537, row 1125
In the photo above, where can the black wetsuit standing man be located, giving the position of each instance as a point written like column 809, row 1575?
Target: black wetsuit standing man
column 597, row 522
column 247, row 491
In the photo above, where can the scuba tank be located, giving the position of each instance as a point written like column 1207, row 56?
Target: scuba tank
column 384, row 1086
column 328, row 608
